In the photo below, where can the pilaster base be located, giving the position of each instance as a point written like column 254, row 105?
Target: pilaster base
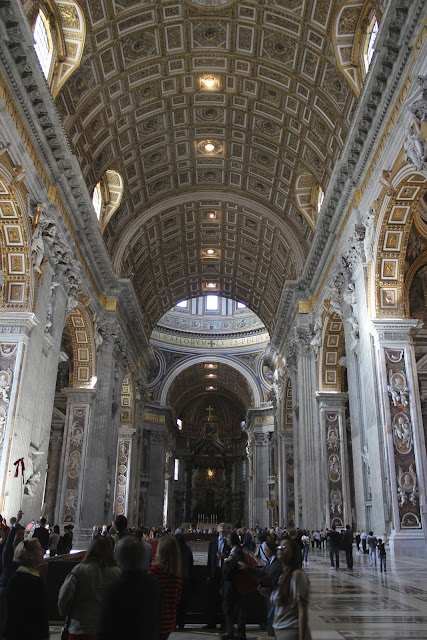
column 407, row 543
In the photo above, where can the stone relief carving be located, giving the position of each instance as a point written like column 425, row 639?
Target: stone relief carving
column 37, row 249
column 334, row 468
column 34, row 476
column 407, row 485
column 316, row 341
column 398, row 388
column 333, row 439
column 368, row 241
column 418, row 107
column 336, row 501
column 402, row 433
column 5, row 385
column 415, row 148
column 50, row 305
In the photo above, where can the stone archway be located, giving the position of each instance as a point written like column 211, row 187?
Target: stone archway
column 16, row 291
column 397, row 211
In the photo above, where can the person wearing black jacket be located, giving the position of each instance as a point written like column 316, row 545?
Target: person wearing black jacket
column 334, row 547
column 217, row 551
column 233, row 602
column 348, row 546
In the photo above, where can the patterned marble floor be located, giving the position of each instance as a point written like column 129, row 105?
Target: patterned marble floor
column 363, row 604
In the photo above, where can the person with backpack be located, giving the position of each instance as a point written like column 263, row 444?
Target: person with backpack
column 372, row 542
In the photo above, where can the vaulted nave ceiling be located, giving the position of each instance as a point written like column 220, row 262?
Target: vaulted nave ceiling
column 277, row 118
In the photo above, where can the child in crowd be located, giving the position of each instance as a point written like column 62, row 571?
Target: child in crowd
column 382, row 554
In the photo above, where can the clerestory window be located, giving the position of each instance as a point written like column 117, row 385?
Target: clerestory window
column 43, row 43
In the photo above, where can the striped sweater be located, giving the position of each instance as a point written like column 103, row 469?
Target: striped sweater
column 171, row 593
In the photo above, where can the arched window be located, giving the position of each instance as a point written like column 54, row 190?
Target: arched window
column 370, row 42
column 43, row 43
column 320, row 198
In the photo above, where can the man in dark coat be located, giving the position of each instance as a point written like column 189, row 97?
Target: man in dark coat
column 348, row 545
column 42, row 535
column 217, row 551
column 131, row 604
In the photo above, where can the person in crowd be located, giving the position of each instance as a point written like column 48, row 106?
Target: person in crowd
column 187, row 562
column 65, row 542
column 247, row 541
column 357, row 540
column 42, row 534
column 9, row 566
column 268, row 577
column 148, row 549
column 348, row 546
column 334, row 548
column 372, row 542
column 217, row 552
column 53, row 541
column 317, row 537
column 119, row 532
column 81, row 594
column 382, row 553
column 27, row 613
column 233, row 602
column 131, row 604
column 167, row 571
column 305, row 545
column 363, row 537
column 291, row 597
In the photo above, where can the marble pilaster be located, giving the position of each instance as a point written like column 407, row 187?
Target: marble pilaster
column 53, row 470
column 123, row 473
column 307, row 437
column 104, row 426
column 76, row 470
column 337, row 508
column 403, row 433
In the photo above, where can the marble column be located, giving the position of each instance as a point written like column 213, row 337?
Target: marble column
column 335, row 477
column 76, row 472
column 403, row 433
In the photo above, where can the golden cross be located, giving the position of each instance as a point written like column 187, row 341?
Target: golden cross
column 209, row 409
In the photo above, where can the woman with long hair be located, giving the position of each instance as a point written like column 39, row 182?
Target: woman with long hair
column 291, row 597
column 80, row 596
column 27, row 614
column 167, row 570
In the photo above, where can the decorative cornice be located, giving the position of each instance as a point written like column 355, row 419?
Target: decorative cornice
column 395, row 330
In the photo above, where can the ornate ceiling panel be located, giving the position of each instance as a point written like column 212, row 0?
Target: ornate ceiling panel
column 167, row 259
column 279, row 107
column 194, row 381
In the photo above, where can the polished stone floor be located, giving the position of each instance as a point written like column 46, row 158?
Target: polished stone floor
column 362, row 604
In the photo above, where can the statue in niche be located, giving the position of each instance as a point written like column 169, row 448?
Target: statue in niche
column 316, row 341
column 407, row 484
column 398, row 388
column 402, row 433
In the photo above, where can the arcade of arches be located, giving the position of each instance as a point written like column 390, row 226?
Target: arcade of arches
column 213, row 236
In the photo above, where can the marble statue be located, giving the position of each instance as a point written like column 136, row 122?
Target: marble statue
column 415, row 149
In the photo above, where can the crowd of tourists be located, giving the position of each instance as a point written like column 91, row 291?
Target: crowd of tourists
column 121, row 588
